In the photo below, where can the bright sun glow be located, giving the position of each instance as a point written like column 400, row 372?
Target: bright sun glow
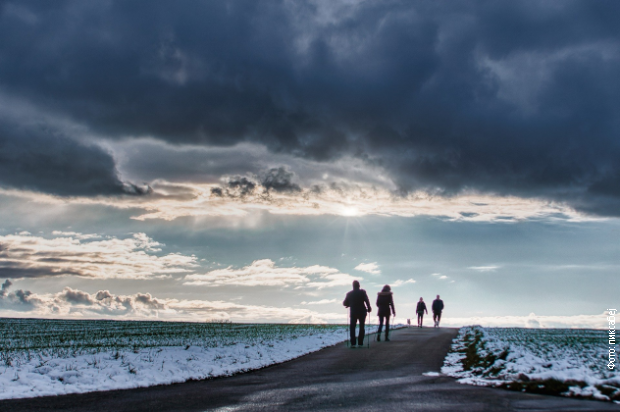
column 350, row 211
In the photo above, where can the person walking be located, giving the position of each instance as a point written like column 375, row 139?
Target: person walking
column 420, row 309
column 359, row 305
column 437, row 307
column 385, row 305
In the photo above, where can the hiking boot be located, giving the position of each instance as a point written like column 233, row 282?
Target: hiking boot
column 378, row 338
column 387, row 339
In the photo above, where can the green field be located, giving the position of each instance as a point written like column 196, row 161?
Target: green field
column 91, row 336
column 569, row 362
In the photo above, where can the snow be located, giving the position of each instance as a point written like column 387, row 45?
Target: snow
column 531, row 356
column 37, row 373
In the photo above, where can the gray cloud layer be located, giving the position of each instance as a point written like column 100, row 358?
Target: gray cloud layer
column 508, row 97
column 39, row 158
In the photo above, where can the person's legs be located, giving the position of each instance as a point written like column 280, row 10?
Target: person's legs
column 380, row 327
column 420, row 316
column 387, row 328
column 438, row 318
column 360, row 338
column 352, row 322
column 435, row 318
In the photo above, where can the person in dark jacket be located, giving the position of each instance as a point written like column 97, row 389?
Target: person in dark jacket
column 385, row 305
column 359, row 305
column 437, row 307
column 420, row 309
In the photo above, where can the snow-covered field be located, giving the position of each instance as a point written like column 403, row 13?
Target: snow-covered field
column 568, row 362
column 54, row 357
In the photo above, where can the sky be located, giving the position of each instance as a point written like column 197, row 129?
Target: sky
column 246, row 161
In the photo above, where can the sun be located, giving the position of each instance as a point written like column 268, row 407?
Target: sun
column 349, row 211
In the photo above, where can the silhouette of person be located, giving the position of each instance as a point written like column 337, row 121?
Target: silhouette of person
column 420, row 309
column 385, row 302
column 358, row 304
column 437, row 307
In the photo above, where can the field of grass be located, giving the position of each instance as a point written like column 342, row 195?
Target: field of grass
column 66, row 337
column 51, row 357
column 567, row 362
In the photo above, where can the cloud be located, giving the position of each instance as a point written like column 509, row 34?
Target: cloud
column 4, row 289
column 72, row 303
column 170, row 201
column 465, row 104
column 280, row 180
column 275, row 179
column 252, row 313
column 531, row 321
column 321, row 302
column 103, row 294
column 265, row 273
column 149, row 301
column 146, row 159
column 372, row 268
column 20, row 300
column 490, row 268
column 400, row 282
column 240, row 184
column 26, row 256
column 76, row 296
column 42, row 157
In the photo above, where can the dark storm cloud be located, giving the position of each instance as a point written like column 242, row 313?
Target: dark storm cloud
column 39, row 158
column 509, row 97
column 235, row 186
column 241, row 184
column 280, row 180
column 277, row 179
column 217, row 191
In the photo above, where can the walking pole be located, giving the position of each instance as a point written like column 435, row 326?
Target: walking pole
column 368, row 316
column 346, row 328
column 377, row 333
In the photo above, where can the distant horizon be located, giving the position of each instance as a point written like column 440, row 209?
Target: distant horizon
column 446, row 322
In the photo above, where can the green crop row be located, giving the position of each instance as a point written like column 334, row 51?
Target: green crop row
column 19, row 335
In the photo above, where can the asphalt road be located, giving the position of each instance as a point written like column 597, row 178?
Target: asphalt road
column 386, row 377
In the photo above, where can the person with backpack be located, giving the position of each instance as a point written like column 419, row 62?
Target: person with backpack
column 437, row 307
column 359, row 305
column 385, row 305
column 420, row 309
